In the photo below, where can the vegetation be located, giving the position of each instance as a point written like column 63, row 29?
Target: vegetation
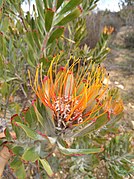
column 64, row 118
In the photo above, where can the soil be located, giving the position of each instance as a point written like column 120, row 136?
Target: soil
column 120, row 65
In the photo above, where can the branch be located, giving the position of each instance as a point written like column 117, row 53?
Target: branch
column 44, row 45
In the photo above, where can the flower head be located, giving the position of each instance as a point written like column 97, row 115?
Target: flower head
column 75, row 96
column 108, row 30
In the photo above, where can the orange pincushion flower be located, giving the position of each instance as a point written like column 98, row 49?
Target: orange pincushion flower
column 108, row 30
column 75, row 97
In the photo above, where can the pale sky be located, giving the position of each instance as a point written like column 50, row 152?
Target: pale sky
column 111, row 5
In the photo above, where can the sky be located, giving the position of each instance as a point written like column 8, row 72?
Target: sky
column 111, row 5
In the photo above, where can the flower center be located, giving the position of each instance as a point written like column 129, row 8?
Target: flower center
column 64, row 106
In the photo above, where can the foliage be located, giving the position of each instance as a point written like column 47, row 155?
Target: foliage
column 129, row 40
column 28, row 38
column 126, row 3
column 117, row 155
column 51, row 36
column 41, row 132
column 127, row 11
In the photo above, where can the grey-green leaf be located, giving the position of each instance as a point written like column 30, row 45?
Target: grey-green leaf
column 47, row 167
column 70, row 6
column 71, row 16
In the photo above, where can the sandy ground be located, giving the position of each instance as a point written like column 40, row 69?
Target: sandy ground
column 120, row 65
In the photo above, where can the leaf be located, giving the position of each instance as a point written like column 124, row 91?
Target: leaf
column 15, row 118
column 56, row 34
column 59, row 3
column 4, row 89
column 114, row 119
column 45, row 4
column 78, row 151
column 1, row 3
column 30, row 154
column 2, row 141
column 18, row 150
column 48, row 3
column 47, row 167
column 16, row 163
column 30, row 133
column 39, row 6
column 20, row 172
column 7, row 134
column 70, row 17
column 92, row 126
column 30, row 117
column 49, row 14
column 117, row 156
column 70, row 5
column 8, row 79
column 49, row 122
column 38, row 115
column 1, row 66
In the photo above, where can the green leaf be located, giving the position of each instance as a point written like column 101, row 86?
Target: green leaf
column 48, row 3
column 15, row 118
column 20, row 172
column 38, row 115
column 39, row 5
column 117, row 156
column 45, row 4
column 49, row 14
column 59, row 3
column 56, row 34
column 30, row 133
column 8, row 79
column 18, row 150
column 49, row 122
column 30, row 117
column 47, row 167
column 16, row 163
column 4, row 89
column 70, row 5
column 1, row 66
column 70, row 17
column 114, row 119
column 29, row 39
column 1, row 3
column 7, row 134
column 69, row 151
column 2, row 141
column 30, row 154
column 92, row 126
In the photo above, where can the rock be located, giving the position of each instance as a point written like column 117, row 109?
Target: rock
column 116, row 82
column 120, row 86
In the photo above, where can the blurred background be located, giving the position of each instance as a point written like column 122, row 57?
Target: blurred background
column 120, row 62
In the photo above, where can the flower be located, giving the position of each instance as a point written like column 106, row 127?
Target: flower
column 108, row 30
column 76, row 95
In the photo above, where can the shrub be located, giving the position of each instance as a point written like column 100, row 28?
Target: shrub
column 129, row 40
column 71, row 111
column 93, row 23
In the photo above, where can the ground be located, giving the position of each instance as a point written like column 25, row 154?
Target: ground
column 120, row 65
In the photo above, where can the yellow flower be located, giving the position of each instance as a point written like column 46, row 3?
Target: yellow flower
column 108, row 30
column 75, row 95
